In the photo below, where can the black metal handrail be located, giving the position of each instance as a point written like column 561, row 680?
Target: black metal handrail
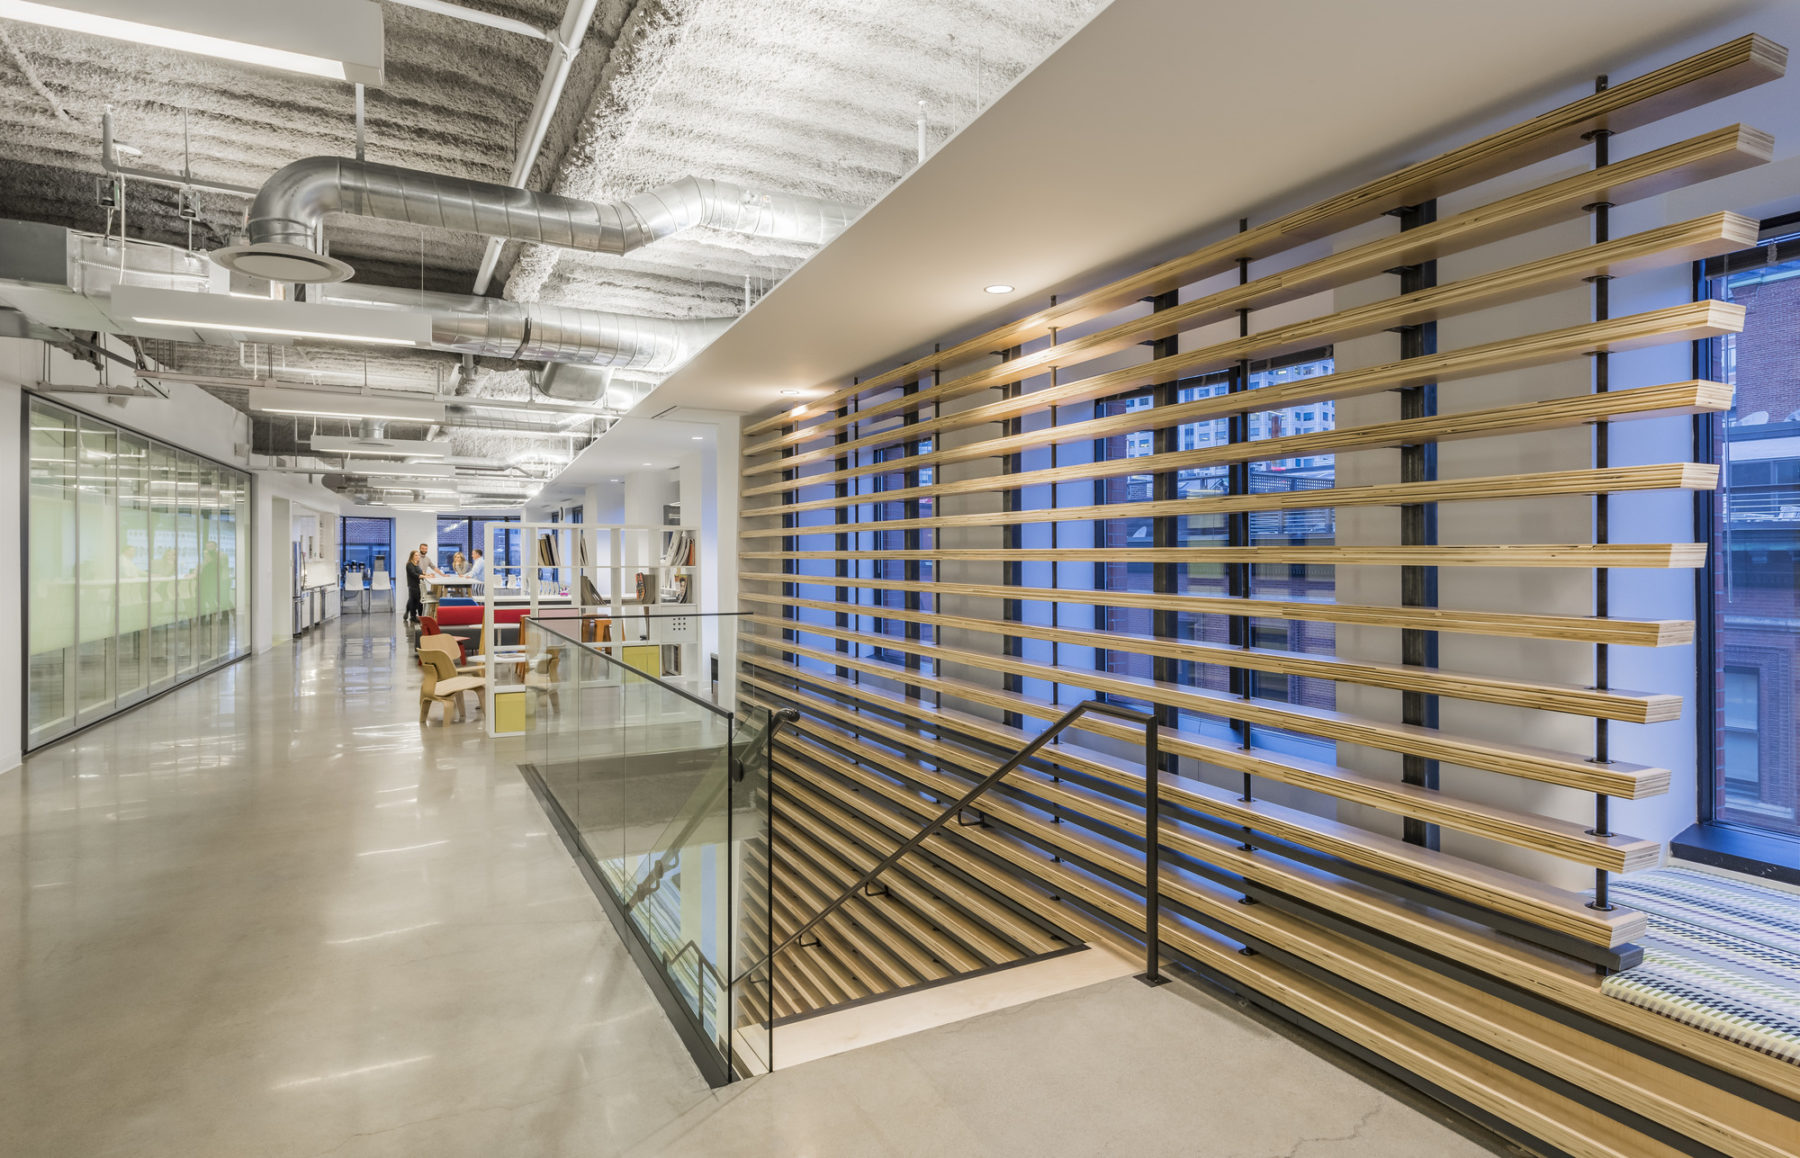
column 1152, row 833
column 704, row 965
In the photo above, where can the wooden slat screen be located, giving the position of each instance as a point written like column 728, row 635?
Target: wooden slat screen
column 968, row 543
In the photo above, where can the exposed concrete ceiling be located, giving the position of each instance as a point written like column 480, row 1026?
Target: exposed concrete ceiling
column 1161, row 122
column 808, row 96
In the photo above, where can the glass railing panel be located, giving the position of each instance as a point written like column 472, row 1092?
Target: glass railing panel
column 677, row 850
column 641, row 769
column 752, row 995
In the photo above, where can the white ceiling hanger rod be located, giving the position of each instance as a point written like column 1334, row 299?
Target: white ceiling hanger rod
column 556, row 75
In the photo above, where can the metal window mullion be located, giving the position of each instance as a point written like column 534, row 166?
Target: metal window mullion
column 1419, row 527
column 790, row 589
column 1165, row 579
column 1012, row 537
column 843, row 514
column 1237, row 526
column 1602, row 457
column 910, row 540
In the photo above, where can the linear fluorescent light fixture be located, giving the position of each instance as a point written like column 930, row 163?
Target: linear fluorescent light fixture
column 321, row 404
column 379, row 447
column 334, row 39
column 252, row 318
column 376, row 468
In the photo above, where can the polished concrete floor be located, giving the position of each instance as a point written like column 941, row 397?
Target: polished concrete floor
column 270, row 914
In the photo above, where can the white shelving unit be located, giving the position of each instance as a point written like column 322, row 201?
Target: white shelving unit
column 605, row 571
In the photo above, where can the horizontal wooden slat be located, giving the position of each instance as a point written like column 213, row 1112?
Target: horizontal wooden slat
column 1706, row 76
column 1685, row 162
column 1686, row 1104
column 1690, row 321
column 891, row 925
column 1516, row 625
column 1692, row 476
column 1676, row 399
column 991, row 929
column 1453, row 876
column 1525, row 761
column 1562, row 839
column 1652, row 249
column 1609, row 703
column 1659, row 556
column 1156, row 418
column 1574, row 1129
column 1565, row 983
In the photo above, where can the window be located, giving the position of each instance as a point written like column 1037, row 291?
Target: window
column 457, row 533
column 367, row 545
column 1754, row 525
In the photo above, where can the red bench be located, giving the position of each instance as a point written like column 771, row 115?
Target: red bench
column 465, row 624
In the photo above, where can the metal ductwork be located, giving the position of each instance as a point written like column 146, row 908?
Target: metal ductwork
column 493, row 328
column 287, row 216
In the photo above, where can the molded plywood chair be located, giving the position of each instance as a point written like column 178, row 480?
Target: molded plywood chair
column 443, row 686
column 451, row 649
column 545, row 676
column 428, row 628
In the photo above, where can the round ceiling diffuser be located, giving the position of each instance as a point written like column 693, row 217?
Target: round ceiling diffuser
column 282, row 262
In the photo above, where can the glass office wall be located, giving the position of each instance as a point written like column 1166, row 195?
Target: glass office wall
column 134, row 568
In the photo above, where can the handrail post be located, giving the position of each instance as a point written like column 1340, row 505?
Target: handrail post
column 1152, row 859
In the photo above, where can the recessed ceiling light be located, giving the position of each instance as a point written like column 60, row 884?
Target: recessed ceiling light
column 998, row 288
column 699, row 437
column 790, row 393
column 649, row 464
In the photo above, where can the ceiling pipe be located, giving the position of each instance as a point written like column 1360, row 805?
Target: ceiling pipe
column 286, row 217
column 493, row 328
column 556, row 74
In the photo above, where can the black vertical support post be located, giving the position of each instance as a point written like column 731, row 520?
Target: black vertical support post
column 1602, row 310
column 791, row 545
column 1164, row 529
column 845, row 539
column 1055, row 537
column 1237, row 526
column 937, row 533
column 910, row 540
column 1011, row 536
column 1418, row 526
column 1152, row 857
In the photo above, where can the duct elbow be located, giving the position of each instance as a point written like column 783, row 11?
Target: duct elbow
column 292, row 203
column 736, row 208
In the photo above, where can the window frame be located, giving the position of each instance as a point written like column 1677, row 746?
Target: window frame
column 1723, row 842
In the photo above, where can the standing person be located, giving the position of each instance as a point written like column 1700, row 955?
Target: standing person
column 415, row 602
column 459, row 564
column 478, row 574
column 425, row 564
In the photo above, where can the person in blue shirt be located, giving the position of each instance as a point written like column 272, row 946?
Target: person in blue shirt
column 477, row 573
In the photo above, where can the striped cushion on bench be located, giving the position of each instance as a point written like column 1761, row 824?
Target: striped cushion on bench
column 1720, row 955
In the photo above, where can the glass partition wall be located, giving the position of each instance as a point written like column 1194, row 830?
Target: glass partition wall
column 135, row 582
